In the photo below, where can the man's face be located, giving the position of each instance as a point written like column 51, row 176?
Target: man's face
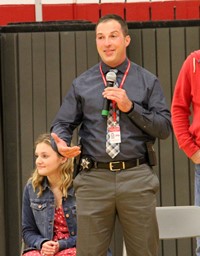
column 111, row 43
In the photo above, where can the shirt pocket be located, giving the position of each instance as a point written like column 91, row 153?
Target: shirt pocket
column 40, row 212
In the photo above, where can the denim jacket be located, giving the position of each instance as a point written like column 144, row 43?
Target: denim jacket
column 38, row 217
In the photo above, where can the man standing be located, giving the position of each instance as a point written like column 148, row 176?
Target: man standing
column 187, row 96
column 115, row 175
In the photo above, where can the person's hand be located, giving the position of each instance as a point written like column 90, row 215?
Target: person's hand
column 63, row 149
column 119, row 96
column 49, row 248
column 196, row 157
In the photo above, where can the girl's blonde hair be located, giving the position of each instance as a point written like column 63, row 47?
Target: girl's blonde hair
column 66, row 170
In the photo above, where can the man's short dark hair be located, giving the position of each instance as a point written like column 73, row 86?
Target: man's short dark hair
column 116, row 17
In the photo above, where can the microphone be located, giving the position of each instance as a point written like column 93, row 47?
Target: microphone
column 110, row 81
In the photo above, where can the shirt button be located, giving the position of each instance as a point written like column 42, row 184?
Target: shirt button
column 67, row 215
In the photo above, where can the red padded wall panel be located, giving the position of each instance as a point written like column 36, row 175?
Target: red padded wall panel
column 16, row 13
column 163, row 10
column 187, row 10
column 58, row 12
column 138, row 11
column 117, row 8
column 88, row 12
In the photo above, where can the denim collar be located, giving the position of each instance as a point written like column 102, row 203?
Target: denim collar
column 45, row 185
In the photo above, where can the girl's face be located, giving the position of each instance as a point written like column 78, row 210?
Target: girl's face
column 47, row 160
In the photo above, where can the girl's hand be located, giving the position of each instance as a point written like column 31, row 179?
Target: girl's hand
column 49, row 248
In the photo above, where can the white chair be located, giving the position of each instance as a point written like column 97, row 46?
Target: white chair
column 177, row 222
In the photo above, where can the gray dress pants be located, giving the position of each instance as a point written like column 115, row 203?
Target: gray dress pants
column 130, row 194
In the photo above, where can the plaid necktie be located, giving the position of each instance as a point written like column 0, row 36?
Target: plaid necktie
column 112, row 149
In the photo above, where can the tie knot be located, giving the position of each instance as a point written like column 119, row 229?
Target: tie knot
column 114, row 70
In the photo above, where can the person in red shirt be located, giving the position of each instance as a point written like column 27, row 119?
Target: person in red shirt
column 186, row 104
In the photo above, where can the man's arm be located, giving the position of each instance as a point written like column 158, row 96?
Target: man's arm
column 154, row 119
column 65, row 150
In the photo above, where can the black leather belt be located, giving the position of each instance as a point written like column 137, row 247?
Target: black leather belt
column 120, row 165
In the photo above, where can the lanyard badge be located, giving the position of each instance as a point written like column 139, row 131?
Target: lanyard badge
column 114, row 133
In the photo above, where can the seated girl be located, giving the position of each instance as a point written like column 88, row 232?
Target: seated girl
column 49, row 207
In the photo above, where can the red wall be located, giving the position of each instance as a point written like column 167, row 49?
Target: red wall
column 140, row 11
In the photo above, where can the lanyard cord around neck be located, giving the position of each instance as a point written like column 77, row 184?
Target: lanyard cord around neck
column 124, row 76
column 121, row 85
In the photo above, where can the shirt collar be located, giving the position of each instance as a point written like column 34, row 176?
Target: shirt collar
column 122, row 68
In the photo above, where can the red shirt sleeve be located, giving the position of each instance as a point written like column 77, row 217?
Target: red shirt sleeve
column 181, row 108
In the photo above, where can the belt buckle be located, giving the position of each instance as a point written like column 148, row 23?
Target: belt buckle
column 112, row 169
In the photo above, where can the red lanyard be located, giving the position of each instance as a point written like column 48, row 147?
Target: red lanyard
column 121, row 85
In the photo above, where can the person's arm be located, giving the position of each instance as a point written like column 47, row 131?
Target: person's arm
column 63, row 149
column 52, row 247
column 181, row 113
column 30, row 232
column 67, row 243
column 67, row 119
column 196, row 157
column 154, row 118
